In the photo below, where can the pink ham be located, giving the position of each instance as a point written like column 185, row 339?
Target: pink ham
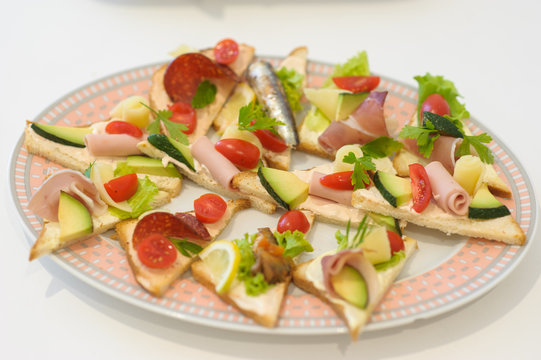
column 339, row 196
column 365, row 124
column 449, row 195
column 221, row 169
column 443, row 151
column 112, row 144
column 44, row 203
column 332, row 264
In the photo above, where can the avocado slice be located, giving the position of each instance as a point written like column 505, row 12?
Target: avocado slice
column 146, row 165
column 351, row 286
column 74, row 218
column 172, row 148
column 287, row 189
column 65, row 135
column 347, row 103
column 389, row 222
column 394, row 189
column 485, row 206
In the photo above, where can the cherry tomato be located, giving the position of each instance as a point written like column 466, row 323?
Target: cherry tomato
column 420, row 187
column 226, row 51
column 123, row 127
column 395, row 241
column 156, row 251
column 293, row 220
column 209, row 208
column 338, row 181
column 242, row 153
column 435, row 103
column 184, row 113
column 356, row 84
column 270, row 140
column 122, row 188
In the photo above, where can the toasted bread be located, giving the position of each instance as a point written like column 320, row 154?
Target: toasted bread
column 157, row 281
column 353, row 317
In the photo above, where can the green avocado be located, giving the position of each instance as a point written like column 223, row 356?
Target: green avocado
column 173, row 148
column 389, row 222
column 396, row 190
column 74, row 218
column 485, row 206
column 347, row 103
column 287, row 189
column 350, row 285
column 149, row 166
column 65, row 135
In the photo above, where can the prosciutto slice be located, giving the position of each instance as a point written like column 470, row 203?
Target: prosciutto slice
column 333, row 264
column 221, row 169
column 449, row 195
column 112, row 144
column 365, row 124
column 339, row 196
column 44, row 203
column 443, row 151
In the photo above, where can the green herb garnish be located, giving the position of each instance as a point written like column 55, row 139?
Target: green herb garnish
column 478, row 143
column 293, row 243
column 205, row 94
column 292, row 84
column 254, row 285
column 343, row 240
column 186, row 247
column 175, row 129
column 425, row 136
column 360, row 178
column 381, row 147
column 254, row 111
column 88, row 169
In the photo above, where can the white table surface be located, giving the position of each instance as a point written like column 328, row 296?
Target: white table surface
column 490, row 49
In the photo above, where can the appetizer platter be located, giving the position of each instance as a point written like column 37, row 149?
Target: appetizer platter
column 368, row 204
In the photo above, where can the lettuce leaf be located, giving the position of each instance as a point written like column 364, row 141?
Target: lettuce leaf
column 139, row 202
column 293, row 243
column 254, row 285
column 429, row 84
column 394, row 260
column 292, row 83
column 122, row 168
column 355, row 66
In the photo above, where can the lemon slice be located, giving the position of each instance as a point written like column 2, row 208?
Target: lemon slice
column 242, row 96
column 222, row 258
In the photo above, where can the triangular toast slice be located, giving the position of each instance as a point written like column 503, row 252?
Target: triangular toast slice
column 157, row 281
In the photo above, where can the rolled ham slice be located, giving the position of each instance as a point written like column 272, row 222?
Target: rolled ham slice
column 365, row 124
column 332, row 264
column 339, row 196
column 44, row 203
column 443, row 151
column 112, row 144
column 221, row 169
column 449, row 195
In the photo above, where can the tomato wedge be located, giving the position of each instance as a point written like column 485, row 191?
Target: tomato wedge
column 435, row 103
column 420, row 187
column 226, row 51
column 123, row 127
column 356, row 84
column 396, row 242
column 338, row 181
column 122, row 188
column 156, row 251
column 293, row 220
column 184, row 113
column 270, row 140
column 209, row 208
column 242, row 153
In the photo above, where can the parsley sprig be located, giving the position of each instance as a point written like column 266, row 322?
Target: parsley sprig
column 186, row 247
column 205, row 95
column 360, row 178
column 478, row 143
column 175, row 129
column 343, row 240
column 381, row 147
column 425, row 135
column 254, row 111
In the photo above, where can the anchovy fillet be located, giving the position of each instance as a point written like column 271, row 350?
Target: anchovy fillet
column 271, row 95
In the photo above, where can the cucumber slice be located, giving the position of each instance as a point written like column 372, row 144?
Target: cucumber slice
column 172, row 148
column 442, row 124
column 394, row 189
column 389, row 222
column 149, row 166
column 485, row 206
column 287, row 189
column 65, row 135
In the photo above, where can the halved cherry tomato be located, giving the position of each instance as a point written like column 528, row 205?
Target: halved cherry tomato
column 420, row 187
column 293, row 220
column 123, row 127
column 356, row 83
column 184, row 113
column 395, row 241
column 338, row 181
column 242, row 153
column 226, row 51
column 156, row 251
column 270, row 140
column 435, row 103
column 209, row 208
column 122, row 188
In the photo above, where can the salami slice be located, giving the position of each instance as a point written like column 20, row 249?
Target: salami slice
column 185, row 73
column 168, row 225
